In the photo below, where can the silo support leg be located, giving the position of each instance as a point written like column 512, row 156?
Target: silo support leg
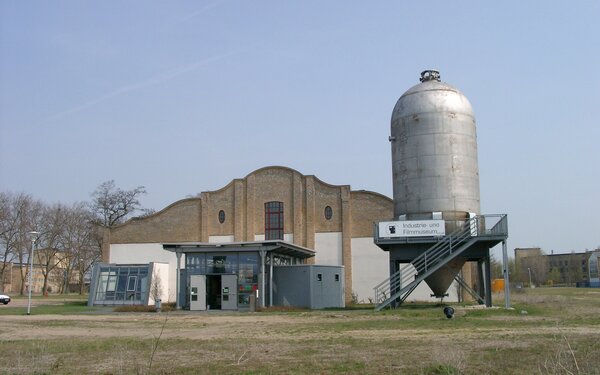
column 480, row 279
column 488, row 283
column 506, row 281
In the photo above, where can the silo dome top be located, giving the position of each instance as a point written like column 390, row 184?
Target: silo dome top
column 428, row 75
column 432, row 95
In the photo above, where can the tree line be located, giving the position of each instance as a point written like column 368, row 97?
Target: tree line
column 70, row 236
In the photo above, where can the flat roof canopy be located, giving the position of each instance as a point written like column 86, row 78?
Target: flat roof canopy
column 276, row 246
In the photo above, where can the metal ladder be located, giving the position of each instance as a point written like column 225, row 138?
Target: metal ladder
column 397, row 287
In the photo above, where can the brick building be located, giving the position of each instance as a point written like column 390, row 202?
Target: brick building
column 272, row 203
column 534, row 266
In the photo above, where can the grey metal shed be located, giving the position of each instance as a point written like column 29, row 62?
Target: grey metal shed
column 308, row 285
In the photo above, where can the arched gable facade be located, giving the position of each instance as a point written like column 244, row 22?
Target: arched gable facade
column 331, row 219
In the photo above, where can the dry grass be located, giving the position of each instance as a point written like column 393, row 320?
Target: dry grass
column 558, row 335
column 144, row 308
column 281, row 309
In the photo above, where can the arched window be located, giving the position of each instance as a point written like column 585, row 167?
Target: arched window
column 328, row 213
column 221, row 216
column 274, row 221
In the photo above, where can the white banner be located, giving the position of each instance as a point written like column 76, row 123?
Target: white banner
column 415, row 228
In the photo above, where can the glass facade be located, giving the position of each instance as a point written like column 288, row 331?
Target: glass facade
column 211, row 263
column 246, row 265
column 126, row 284
column 593, row 264
column 247, row 277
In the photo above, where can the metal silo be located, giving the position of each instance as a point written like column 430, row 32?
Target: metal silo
column 434, row 161
column 434, row 152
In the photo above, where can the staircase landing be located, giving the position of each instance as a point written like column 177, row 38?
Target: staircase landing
column 423, row 256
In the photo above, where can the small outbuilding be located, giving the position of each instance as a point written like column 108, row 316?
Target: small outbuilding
column 128, row 284
column 311, row 286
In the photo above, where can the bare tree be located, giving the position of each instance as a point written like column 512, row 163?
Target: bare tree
column 19, row 215
column 574, row 270
column 67, row 242
column 156, row 286
column 112, row 205
column 534, row 269
column 81, row 247
column 496, row 268
column 8, row 234
column 51, row 248
column 555, row 275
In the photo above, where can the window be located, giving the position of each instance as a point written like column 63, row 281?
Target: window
column 131, row 283
column 337, row 277
column 195, row 263
column 221, row 216
column 328, row 213
column 319, row 277
column 593, row 267
column 221, row 263
column 274, row 221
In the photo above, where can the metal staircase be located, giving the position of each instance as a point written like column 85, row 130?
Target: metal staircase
column 397, row 287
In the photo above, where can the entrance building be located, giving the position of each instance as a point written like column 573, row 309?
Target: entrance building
column 240, row 276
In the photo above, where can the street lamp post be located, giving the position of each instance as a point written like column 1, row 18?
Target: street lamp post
column 34, row 236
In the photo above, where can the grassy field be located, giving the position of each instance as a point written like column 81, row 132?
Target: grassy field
column 549, row 331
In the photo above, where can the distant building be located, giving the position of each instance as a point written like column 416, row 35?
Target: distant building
column 530, row 265
column 44, row 260
column 534, row 266
column 12, row 280
column 572, row 267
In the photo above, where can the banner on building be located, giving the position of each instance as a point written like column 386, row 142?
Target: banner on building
column 413, row 228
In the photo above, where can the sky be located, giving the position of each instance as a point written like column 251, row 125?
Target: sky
column 182, row 97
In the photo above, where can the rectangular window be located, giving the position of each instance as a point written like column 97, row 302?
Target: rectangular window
column 221, row 263
column 337, row 277
column 112, row 283
column 274, row 221
column 319, row 277
column 131, row 283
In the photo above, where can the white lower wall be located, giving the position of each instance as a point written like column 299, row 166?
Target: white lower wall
column 221, row 239
column 328, row 247
column 160, row 275
column 144, row 253
column 370, row 266
column 287, row 237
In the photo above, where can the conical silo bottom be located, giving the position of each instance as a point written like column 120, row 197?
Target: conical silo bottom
column 440, row 280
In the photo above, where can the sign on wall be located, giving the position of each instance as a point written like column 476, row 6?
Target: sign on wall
column 414, row 228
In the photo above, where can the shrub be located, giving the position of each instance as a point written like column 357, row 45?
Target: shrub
column 135, row 308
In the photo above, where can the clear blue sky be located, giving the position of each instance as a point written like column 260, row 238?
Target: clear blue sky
column 182, row 97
